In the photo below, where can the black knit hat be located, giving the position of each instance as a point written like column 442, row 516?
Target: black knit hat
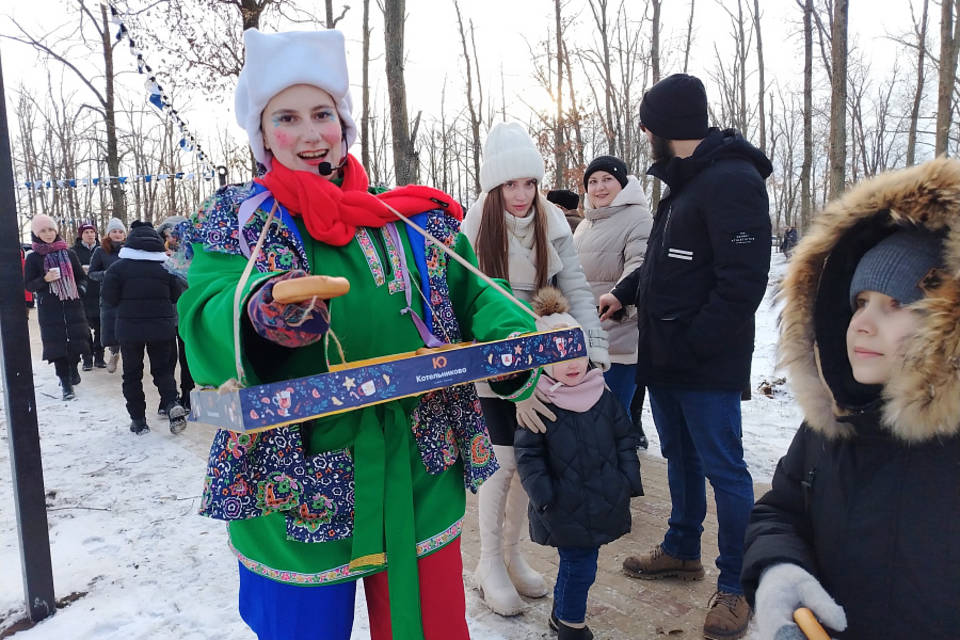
column 676, row 108
column 614, row 166
column 564, row 198
column 144, row 237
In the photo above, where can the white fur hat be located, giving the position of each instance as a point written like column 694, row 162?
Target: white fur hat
column 509, row 153
column 275, row 61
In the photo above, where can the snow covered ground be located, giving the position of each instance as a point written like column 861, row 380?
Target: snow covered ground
column 123, row 524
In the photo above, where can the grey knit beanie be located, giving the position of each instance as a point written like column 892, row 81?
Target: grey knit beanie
column 896, row 266
column 115, row 225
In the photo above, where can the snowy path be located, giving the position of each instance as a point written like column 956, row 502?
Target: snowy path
column 124, row 530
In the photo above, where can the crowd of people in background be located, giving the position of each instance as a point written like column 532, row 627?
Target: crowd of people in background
column 860, row 525
column 105, row 301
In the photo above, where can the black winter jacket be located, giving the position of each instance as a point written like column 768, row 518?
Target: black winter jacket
column 142, row 292
column 580, row 475
column 871, row 517
column 705, row 269
column 63, row 326
column 99, row 263
column 91, row 299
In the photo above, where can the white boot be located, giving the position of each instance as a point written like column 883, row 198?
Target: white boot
column 527, row 581
column 491, row 577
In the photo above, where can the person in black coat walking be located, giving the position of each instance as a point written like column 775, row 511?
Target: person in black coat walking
column 85, row 246
column 579, row 474
column 104, row 256
column 143, row 294
column 862, row 524
column 702, row 279
column 53, row 272
column 170, row 232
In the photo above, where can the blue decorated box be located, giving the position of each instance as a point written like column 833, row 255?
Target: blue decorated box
column 367, row 383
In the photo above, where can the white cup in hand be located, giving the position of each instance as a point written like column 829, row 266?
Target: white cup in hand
column 86, row 268
column 54, row 272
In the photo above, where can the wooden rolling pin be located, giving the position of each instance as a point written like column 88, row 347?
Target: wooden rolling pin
column 809, row 624
column 302, row 289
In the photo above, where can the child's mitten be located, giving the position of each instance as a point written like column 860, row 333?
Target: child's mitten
column 784, row 588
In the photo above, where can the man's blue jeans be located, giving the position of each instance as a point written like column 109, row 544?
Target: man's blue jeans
column 622, row 380
column 700, row 436
column 578, row 570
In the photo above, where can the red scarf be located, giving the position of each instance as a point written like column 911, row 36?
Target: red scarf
column 332, row 214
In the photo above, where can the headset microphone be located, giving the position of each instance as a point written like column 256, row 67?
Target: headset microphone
column 324, row 168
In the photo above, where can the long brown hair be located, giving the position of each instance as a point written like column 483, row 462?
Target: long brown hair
column 493, row 250
column 107, row 245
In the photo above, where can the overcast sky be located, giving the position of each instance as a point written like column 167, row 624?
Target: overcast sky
column 503, row 29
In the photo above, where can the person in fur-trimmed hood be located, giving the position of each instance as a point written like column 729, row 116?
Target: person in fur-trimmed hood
column 143, row 294
column 580, row 473
column 862, row 522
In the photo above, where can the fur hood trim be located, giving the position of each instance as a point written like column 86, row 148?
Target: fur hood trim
column 922, row 400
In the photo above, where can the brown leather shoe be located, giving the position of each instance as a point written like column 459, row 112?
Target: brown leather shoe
column 660, row 564
column 728, row 617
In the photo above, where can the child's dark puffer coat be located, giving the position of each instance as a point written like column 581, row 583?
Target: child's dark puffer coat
column 580, row 475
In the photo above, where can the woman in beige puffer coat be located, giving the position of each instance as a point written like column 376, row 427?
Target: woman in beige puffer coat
column 611, row 242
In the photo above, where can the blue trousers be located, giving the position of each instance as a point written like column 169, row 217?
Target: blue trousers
column 279, row 611
column 701, row 437
column 577, row 571
column 622, row 380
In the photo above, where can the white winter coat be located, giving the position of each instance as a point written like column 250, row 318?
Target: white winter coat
column 564, row 270
column 611, row 242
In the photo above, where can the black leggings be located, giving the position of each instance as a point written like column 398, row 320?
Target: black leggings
column 64, row 366
column 501, row 418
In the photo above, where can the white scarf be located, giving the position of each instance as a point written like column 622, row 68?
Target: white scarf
column 520, row 241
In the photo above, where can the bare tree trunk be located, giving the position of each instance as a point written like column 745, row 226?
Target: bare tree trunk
column 503, row 96
column 574, row 112
column 686, row 49
column 404, row 155
column 921, row 31
column 948, row 74
column 838, row 98
column 742, row 56
column 330, row 22
column 807, row 166
column 599, row 10
column 365, row 108
column 558, row 150
column 655, row 78
column 762, row 86
column 110, row 119
column 474, row 116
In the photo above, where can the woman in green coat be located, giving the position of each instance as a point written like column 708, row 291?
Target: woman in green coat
column 314, row 506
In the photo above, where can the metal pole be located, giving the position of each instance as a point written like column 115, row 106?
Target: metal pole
column 19, row 399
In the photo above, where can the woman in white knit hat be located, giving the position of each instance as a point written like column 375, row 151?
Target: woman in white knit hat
column 522, row 238
column 314, row 506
